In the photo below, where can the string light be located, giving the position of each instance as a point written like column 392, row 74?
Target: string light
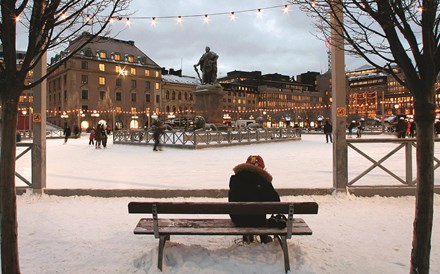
column 153, row 21
column 206, row 19
column 206, row 16
column 179, row 19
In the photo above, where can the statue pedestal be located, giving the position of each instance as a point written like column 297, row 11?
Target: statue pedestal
column 209, row 103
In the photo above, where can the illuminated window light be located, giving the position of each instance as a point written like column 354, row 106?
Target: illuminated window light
column 206, row 19
column 232, row 16
column 153, row 21
column 179, row 19
column 286, row 9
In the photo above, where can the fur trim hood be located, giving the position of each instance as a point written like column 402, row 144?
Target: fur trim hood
column 251, row 168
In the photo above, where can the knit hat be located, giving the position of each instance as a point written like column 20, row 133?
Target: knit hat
column 255, row 160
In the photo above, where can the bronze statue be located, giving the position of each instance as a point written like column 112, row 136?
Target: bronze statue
column 208, row 66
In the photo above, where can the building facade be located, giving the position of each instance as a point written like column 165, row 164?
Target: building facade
column 108, row 81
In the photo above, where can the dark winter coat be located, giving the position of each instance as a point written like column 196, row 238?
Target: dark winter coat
column 251, row 184
column 328, row 128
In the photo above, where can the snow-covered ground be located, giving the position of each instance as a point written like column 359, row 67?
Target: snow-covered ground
column 95, row 235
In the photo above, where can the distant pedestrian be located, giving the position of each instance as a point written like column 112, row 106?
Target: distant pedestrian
column 76, row 131
column 98, row 136
column 328, row 129
column 104, row 138
column 92, row 137
column 359, row 130
column 351, row 126
column 401, row 128
column 158, row 131
column 412, row 129
column 67, row 133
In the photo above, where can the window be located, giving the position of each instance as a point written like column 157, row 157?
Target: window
column 157, row 99
column 118, row 96
column 173, row 96
column 103, row 54
column 118, row 82
column 147, row 72
column 130, row 58
column 147, row 98
column 179, row 96
column 101, row 67
column 118, row 69
column 118, row 109
column 133, row 96
column 133, row 83
column 102, row 80
column 157, row 74
column 117, row 56
column 85, row 94
column 85, row 108
column 157, row 86
column 133, row 110
column 133, row 71
column 147, row 85
column 84, row 65
column 167, row 95
column 101, row 94
column 84, row 79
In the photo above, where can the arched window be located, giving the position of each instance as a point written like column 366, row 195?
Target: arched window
column 174, row 95
column 167, row 95
column 179, row 97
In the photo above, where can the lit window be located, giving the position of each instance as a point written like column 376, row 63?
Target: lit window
column 157, row 74
column 118, row 69
column 133, row 71
column 103, row 55
column 117, row 57
column 130, row 58
column 118, row 109
column 101, row 67
column 147, row 72
column 157, row 86
column 102, row 80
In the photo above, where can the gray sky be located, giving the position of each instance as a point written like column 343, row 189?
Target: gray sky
column 273, row 43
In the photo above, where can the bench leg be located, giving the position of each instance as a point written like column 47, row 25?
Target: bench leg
column 162, row 240
column 283, row 242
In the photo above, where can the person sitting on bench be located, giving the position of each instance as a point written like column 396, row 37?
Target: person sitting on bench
column 251, row 183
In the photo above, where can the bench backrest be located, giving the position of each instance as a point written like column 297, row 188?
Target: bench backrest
column 223, row 207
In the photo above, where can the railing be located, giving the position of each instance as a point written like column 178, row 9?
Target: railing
column 202, row 138
column 50, row 134
column 27, row 147
column 402, row 149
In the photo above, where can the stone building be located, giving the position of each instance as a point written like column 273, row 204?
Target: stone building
column 107, row 81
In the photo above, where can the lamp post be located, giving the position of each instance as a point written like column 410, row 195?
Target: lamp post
column 396, row 106
column 94, row 114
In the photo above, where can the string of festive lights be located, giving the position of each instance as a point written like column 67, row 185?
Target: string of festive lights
column 205, row 16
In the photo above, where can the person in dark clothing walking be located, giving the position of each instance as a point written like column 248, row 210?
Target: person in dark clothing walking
column 158, row 131
column 351, row 126
column 401, row 128
column 98, row 136
column 251, row 183
column 328, row 129
column 67, row 133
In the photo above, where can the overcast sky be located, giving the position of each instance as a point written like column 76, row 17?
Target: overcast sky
column 276, row 42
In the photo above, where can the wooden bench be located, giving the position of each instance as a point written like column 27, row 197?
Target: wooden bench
column 163, row 228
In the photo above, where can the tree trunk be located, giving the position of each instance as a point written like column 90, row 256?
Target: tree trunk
column 421, row 246
column 8, row 201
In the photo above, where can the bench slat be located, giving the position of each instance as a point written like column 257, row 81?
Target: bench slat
column 223, row 207
column 214, row 227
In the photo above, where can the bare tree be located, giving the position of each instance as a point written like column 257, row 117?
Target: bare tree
column 49, row 24
column 403, row 34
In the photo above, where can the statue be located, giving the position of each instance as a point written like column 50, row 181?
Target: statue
column 200, row 124
column 208, row 66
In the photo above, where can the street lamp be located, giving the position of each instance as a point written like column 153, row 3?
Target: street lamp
column 94, row 114
column 396, row 106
